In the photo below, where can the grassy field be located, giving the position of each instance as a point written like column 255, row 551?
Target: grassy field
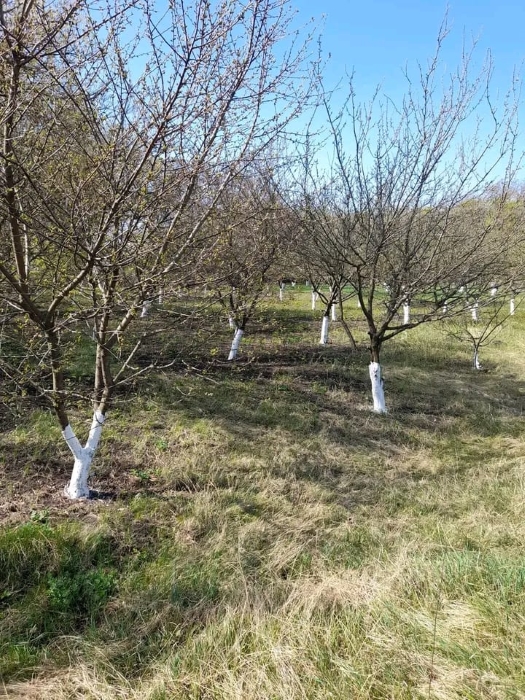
column 261, row 534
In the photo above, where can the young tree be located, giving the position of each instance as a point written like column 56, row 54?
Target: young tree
column 252, row 232
column 481, row 329
column 121, row 127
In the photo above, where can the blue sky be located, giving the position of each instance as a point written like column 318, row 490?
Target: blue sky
column 376, row 38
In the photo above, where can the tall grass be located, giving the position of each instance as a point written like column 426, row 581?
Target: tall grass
column 276, row 539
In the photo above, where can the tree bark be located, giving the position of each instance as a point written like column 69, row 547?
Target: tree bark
column 235, row 344
column 346, row 326
column 83, row 456
column 324, row 330
column 376, row 378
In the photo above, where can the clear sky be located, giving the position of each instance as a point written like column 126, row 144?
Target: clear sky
column 376, row 38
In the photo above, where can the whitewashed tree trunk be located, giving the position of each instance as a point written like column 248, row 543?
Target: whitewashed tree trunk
column 324, row 330
column 145, row 309
column 406, row 312
column 445, row 309
column 358, row 303
column 378, row 393
column 474, row 311
column 334, row 312
column 512, row 307
column 78, row 487
column 281, row 293
column 231, row 321
column 314, row 299
column 476, row 362
column 160, row 297
column 235, row 344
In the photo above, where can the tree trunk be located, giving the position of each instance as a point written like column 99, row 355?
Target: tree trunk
column 235, row 344
column 145, row 309
column 346, row 326
column 314, row 299
column 406, row 312
column 474, row 311
column 78, row 487
column 512, row 307
column 476, row 363
column 324, row 330
column 334, row 314
column 378, row 393
column 376, row 379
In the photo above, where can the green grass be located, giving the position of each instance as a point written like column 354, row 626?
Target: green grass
column 269, row 536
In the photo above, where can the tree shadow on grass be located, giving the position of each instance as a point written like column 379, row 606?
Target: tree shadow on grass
column 316, row 401
column 316, row 395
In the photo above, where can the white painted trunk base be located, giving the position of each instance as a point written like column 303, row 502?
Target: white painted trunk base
column 235, row 344
column 334, row 312
column 474, row 311
column 406, row 312
column 378, row 393
column 78, row 487
column 324, row 330
column 231, row 322
column 281, row 293
column 146, row 306
column 314, row 299
column 476, row 362
column 512, row 307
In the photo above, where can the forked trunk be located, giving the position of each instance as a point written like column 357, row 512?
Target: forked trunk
column 78, row 486
column 235, row 344
column 324, row 330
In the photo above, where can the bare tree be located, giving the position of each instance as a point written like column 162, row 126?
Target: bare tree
column 413, row 196
column 479, row 329
column 121, row 129
column 252, row 232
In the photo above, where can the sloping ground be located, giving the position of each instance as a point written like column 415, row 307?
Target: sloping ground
column 259, row 533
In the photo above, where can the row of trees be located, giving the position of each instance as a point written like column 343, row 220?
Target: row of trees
column 144, row 151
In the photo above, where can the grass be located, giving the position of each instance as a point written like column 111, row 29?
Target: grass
column 268, row 536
